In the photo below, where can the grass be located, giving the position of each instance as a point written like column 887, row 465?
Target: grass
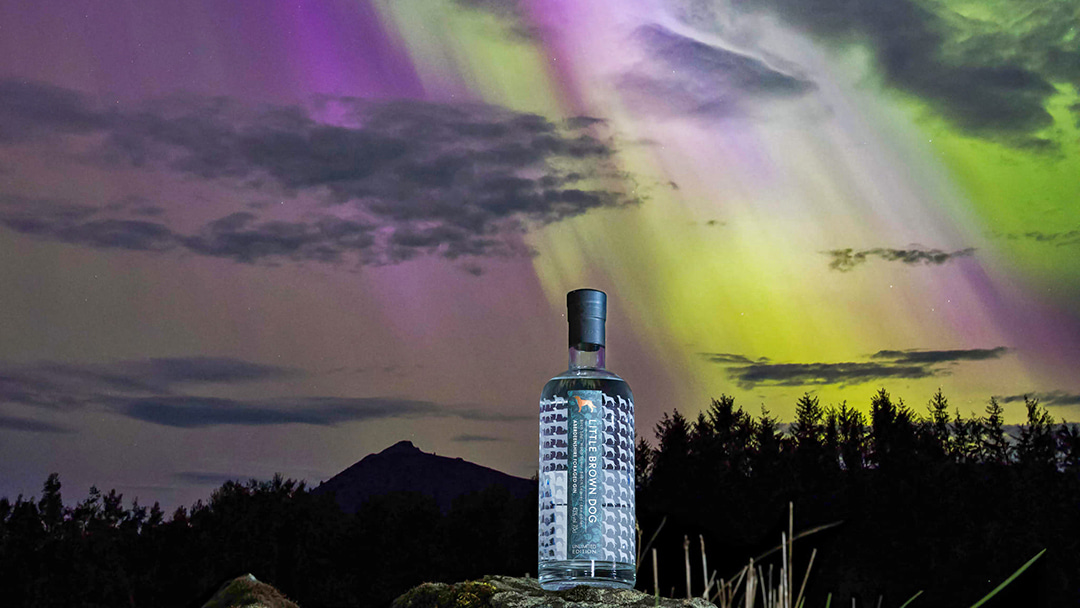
column 753, row 582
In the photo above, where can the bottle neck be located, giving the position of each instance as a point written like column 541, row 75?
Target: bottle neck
column 581, row 357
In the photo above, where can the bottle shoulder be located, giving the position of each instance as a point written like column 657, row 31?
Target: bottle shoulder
column 587, row 373
column 587, row 379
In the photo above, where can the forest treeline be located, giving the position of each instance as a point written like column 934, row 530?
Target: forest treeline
column 929, row 501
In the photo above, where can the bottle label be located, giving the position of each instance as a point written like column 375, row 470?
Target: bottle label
column 585, row 538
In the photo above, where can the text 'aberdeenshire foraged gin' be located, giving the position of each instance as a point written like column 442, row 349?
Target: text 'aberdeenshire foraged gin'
column 587, row 521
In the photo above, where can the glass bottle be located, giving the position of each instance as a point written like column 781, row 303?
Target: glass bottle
column 587, row 521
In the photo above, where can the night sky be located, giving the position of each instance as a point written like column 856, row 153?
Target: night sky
column 247, row 237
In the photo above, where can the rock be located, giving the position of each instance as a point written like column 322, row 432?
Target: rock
column 247, row 592
column 509, row 592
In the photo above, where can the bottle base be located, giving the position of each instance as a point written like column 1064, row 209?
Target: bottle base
column 559, row 575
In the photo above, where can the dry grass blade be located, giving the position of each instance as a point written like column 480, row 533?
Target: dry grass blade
column 705, row 568
column 751, row 584
column 686, row 552
column 790, row 582
column 802, row 589
column 783, row 571
column 655, row 576
column 802, row 534
column 644, row 550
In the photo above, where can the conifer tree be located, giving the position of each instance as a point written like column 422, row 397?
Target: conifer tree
column 1035, row 448
column 831, row 436
column 51, row 505
column 966, row 433
column 995, row 445
column 808, row 427
column 852, row 429
column 1068, row 445
column 643, row 462
column 767, row 444
column 673, row 453
column 937, row 427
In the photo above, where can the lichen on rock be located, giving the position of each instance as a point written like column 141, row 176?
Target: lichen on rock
column 510, row 592
column 470, row 594
column 247, row 592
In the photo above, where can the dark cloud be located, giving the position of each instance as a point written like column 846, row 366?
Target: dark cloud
column 13, row 423
column 136, row 205
column 240, row 238
column 476, row 438
column 940, row 356
column 988, row 82
column 889, row 364
column 688, row 76
column 199, row 412
column 35, row 109
column 845, row 260
column 473, row 269
column 64, row 386
column 40, row 388
column 132, row 235
column 803, row 374
column 167, row 371
column 146, row 390
column 395, row 180
column 1049, row 399
column 1062, row 238
column 731, row 358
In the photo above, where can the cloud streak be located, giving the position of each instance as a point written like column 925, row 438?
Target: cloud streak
column 845, row 260
column 919, row 356
column 14, row 423
column 683, row 75
column 201, row 412
column 733, row 358
column 63, row 386
column 1063, row 238
column 1049, row 399
column 148, row 390
column 905, row 364
column 392, row 180
column 805, row 374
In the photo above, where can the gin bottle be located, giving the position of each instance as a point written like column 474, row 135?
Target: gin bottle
column 587, row 521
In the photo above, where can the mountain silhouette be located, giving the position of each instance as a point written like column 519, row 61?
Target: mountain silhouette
column 403, row 467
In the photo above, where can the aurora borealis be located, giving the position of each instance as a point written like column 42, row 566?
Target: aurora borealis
column 239, row 238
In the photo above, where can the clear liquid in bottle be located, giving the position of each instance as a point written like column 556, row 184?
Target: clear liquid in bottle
column 586, row 469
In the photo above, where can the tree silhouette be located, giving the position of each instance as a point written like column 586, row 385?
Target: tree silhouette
column 936, row 430
column 995, row 445
column 892, row 431
column 966, row 438
column 852, row 430
column 1036, row 448
column 927, row 503
column 1068, row 443
column 808, row 429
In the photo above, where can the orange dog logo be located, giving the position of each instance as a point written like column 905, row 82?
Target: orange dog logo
column 584, row 403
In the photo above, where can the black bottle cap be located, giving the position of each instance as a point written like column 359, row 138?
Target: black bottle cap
column 586, row 311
